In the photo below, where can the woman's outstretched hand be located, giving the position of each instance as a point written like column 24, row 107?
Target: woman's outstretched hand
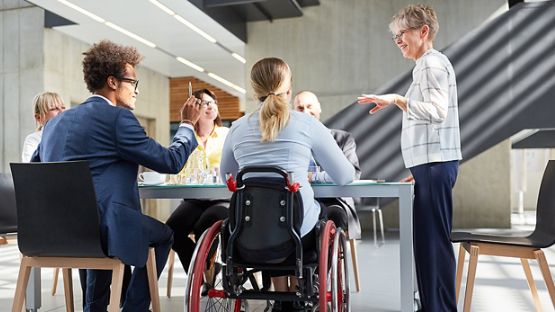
column 381, row 101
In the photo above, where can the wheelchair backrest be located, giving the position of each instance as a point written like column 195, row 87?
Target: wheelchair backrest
column 265, row 217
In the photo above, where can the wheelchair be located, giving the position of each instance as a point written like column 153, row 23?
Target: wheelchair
column 262, row 234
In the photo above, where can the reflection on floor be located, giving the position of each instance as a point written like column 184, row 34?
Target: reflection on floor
column 500, row 282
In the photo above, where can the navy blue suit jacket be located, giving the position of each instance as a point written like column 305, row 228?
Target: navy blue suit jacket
column 114, row 143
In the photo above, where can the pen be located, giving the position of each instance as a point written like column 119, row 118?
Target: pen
column 190, row 89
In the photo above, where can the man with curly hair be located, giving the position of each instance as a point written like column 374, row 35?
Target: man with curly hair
column 104, row 131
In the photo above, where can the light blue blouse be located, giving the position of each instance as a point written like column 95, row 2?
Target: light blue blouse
column 302, row 137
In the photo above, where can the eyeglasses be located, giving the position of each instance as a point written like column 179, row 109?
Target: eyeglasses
column 401, row 33
column 208, row 103
column 134, row 82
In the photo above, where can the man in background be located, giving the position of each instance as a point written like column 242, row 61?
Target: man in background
column 340, row 210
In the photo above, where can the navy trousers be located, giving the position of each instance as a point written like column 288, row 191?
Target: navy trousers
column 138, row 296
column 433, row 251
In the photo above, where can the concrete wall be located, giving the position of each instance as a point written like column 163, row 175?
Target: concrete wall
column 21, row 72
column 482, row 194
column 63, row 72
column 343, row 48
column 527, row 166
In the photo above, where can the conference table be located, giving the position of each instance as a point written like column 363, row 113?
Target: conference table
column 360, row 188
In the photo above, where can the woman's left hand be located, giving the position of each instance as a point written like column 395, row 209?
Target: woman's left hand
column 381, row 101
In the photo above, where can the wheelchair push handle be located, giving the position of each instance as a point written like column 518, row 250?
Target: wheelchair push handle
column 233, row 184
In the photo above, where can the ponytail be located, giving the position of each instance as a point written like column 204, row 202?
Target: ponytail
column 274, row 115
column 271, row 80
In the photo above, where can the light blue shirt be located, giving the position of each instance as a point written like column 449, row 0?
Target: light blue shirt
column 303, row 137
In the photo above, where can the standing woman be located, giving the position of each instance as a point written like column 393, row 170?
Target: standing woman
column 430, row 143
column 46, row 106
column 196, row 215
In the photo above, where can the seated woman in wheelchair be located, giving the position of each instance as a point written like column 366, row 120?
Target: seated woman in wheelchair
column 274, row 135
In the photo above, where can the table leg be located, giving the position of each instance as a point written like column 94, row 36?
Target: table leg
column 406, row 248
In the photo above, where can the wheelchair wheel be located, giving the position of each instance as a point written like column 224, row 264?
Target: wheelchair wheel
column 204, row 292
column 327, row 235
column 340, row 273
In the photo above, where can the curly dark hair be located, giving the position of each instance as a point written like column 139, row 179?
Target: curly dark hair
column 105, row 59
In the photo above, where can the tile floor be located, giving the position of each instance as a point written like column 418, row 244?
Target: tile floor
column 500, row 282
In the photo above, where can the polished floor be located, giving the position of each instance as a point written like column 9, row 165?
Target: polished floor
column 500, row 283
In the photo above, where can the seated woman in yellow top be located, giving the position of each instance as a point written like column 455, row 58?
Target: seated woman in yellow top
column 196, row 215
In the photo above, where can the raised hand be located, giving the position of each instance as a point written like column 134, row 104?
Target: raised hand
column 190, row 112
column 381, row 101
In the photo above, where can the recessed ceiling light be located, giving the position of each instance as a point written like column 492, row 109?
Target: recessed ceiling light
column 130, row 34
column 190, row 64
column 83, row 11
column 239, row 57
column 227, row 83
column 152, row 45
column 195, row 28
column 162, row 7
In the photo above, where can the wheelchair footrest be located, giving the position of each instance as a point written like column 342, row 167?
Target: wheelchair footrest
column 272, row 295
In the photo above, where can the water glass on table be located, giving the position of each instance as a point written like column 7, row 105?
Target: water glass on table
column 313, row 170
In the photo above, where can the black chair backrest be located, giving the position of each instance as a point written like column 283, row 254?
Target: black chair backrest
column 265, row 217
column 8, row 210
column 544, row 233
column 56, row 210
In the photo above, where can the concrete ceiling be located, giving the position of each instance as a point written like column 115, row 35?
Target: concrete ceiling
column 171, row 37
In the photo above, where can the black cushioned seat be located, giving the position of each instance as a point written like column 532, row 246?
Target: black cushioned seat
column 58, row 227
column 8, row 210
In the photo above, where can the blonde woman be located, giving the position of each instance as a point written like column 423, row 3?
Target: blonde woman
column 47, row 105
column 196, row 215
column 430, row 143
column 274, row 135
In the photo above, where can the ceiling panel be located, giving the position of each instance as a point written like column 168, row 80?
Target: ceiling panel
column 148, row 21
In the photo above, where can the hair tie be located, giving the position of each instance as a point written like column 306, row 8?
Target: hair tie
column 263, row 98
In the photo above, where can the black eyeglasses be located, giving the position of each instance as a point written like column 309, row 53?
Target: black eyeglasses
column 207, row 103
column 134, row 82
column 401, row 33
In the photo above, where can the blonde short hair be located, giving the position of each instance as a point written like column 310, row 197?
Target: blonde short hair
column 271, row 80
column 45, row 101
column 415, row 16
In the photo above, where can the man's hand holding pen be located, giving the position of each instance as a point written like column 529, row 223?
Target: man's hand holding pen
column 190, row 112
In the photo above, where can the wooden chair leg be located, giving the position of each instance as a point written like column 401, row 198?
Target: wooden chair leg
column 460, row 267
column 546, row 274
column 474, row 252
column 531, row 284
column 153, row 280
column 68, row 289
column 117, row 283
column 354, row 260
column 171, row 261
column 55, row 280
column 22, row 280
